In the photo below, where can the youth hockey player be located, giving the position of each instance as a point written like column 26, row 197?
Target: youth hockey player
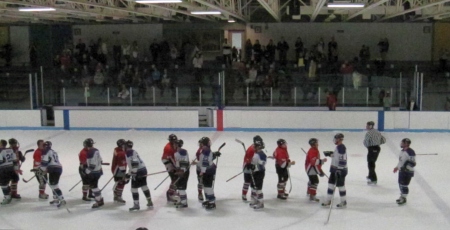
column 137, row 172
column 14, row 145
column 247, row 160
column 50, row 164
column 36, row 164
column 257, row 168
column 282, row 164
column 198, row 164
column 94, row 171
column 313, row 167
column 82, row 156
column 182, row 166
column 372, row 142
column 118, row 169
column 167, row 160
column 338, row 171
column 208, row 172
column 7, row 170
column 405, row 166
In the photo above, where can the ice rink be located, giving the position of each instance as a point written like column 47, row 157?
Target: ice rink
column 369, row 207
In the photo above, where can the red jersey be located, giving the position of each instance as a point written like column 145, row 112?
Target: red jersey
column 168, row 154
column 119, row 161
column 198, row 153
column 313, row 163
column 281, row 157
column 249, row 154
column 83, row 156
column 37, row 158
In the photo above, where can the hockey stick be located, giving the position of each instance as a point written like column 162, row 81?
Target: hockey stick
column 290, row 180
column 75, row 185
column 322, row 171
column 235, row 176
column 154, row 173
column 217, row 163
column 26, row 181
column 106, row 183
column 424, row 154
column 162, row 182
column 28, row 151
column 331, row 203
column 242, row 143
column 54, row 193
column 105, row 163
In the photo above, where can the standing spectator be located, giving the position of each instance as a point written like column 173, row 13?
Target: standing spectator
column 364, row 55
column 226, row 49
column 248, row 51
column 332, row 51
column 320, row 48
column 156, row 78
column 173, row 53
column 33, row 55
column 257, row 51
column 234, row 54
column 372, row 142
column 80, row 48
column 271, row 48
column 135, row 54
column 197, row 62
column 331, row 101
column 406, row 165
column 126, row 52
column 381, row 96
column 154, row 50
column 383, row 46
column 117, row 54
column 443, row 60
column 298, row 49
column 165, row 54
column 338, row 172
column 124, row 93
column 283, row 48
column 347, row 73
column 387, row 101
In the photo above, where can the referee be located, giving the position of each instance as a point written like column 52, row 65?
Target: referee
column 372, row 141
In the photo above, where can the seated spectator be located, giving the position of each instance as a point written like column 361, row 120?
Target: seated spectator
column 331, row 101
column 252, row 73
column 124, row 93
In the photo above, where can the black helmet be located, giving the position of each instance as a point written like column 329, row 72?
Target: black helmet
column 313, row 141
column 180, row 143
column 281, row 142
column 259, row 144
column 172, row 138
column 48, row 144
column 338, row 136
column 205, row 141
column 4, row 143
column 257, row 138
column 88, row 143
column 120, row 142
column 129, row 144
column 13, row 141
column 406, row 141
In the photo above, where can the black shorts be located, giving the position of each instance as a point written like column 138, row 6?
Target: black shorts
column 208, row 180
column 138, row 181
column 283, row 175
column 15, row 178
column 172, row 176
column 372, row 154
column 182, row 181
column 6, row 176
column 83, row 175
column 404, row 178
column 338, row 179
column 259, row 180
column 93, row 180
column 313, row 179
column 120, row 174
column 247, row 178
column 53, row 178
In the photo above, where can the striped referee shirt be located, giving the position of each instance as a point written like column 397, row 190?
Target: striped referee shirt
column 374, row 138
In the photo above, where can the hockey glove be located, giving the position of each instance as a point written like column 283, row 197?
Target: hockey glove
column 250, row 167
column 21, row 157
column 217, row 154
column 87, row 171
column 126, row 178
column 321, row 173
column 179, row 173
column 328, row 153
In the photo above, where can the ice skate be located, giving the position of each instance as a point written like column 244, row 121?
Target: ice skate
column 6, row 200
column 401, row 200
column 205, row 203
column 98, row 204
column 135, row 207
column 43, row 196
column 61, row 203
column 342, row 204
column 55, row 201
column 16, row 196
column 282, row 196
column 326, row 204
column 118, row 199
column 369, row 182
column 313, row 198
column 149, row 203
column 244, row 198
column 258, row 206
column 210, row 206
column 85, row 198
column 181, row 205
column 200, row 197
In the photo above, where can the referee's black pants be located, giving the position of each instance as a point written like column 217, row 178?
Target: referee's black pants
column 372, row 157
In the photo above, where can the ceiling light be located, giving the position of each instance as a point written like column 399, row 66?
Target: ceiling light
column 158, row 1
column 30, row 9
column 345, row 5
column 231, row 20
column 206, row 12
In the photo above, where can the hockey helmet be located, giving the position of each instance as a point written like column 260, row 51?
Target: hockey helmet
column 48, row 144
column 281, row 142
column 172, row 138
column 88, row 143
column 129, row 144
column 257, row 138
column 205, row 141
column 121, row 142
column 313, row 141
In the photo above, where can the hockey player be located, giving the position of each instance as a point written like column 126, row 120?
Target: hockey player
column 372, row 142
column 118, row 169
column 50, row 164
column 94, row 171
column 82, row 156
column 247, row 160
column 182, row 166
column 7, row 170
column 138, row 174
column 167, row 160
column 313, row 167
column 36, row 164
column 338, row 171
column 14, row 145
column 406, row 164
column 199, row 167
column 257, row 167
column 208, row 172
column 282, row 164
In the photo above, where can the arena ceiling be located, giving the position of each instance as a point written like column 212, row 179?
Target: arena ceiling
column 242, row 11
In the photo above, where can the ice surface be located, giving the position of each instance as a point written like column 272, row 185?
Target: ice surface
column 369, row 207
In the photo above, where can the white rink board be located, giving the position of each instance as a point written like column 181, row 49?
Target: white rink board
column 20, row 118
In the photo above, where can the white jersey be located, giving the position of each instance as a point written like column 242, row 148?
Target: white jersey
column 135, row 164
column 94, row 160
column 259, row 161
column 182, row 160
column 407, row 160
column 339, row 158
column 50, row 161
column 7, row 158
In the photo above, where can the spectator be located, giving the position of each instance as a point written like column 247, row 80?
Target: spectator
column 364, row 55
column 332, row 51
column 126, row 52
column 298, row 49
column 248, row 51
column 387, row 102
column 331, row 101
column 257, row 51
column 412, row 105
column 124, row 93
column 383, row 47
column 443, row 60
column 142, row 89
column 234, row 54
column 33, row 55
column 117, row 54
column 321, row 48
column 347, row 72
column 135, row 54
column 271, row 48
column 381, row 97
column 226, row 49
column 154, row 50
column 173, row 53
column 80, row 48
column 252, row 73
column 156, row 79
column 283, row 48
column 357, row 78
column 165, row 81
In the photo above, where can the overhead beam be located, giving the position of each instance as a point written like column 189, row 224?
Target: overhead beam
column 432, row 15
column 159, row 6
column 371, row 6
column 224, row 11
column 272, row 6
column 413, row 9
column 317, row 9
